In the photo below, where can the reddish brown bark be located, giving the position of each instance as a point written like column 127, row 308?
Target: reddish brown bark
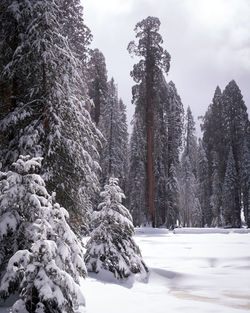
column 150, row 138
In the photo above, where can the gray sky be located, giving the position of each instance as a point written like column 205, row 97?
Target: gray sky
column 209, row 43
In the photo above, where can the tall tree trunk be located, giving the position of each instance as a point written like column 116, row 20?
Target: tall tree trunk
column 150, row 144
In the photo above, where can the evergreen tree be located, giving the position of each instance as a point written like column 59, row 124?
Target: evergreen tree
column 190, row 208
column 175, row 120
column 168, row 142
column 246, row 176
column 215, row 200
column 203, row 185
column 235, row 121
column 97, row 84
column 161, row 158
column 137, row 174
column 147, row 74
column 74, row 29
column 172, row 198
column 230, row 211
column 46, row 115
column 41, row 258
column 224, row 128
column 215, row 149
column 123, row 144
column 113, row 126
column 111, row 246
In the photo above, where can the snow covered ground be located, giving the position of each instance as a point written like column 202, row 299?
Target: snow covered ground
column 203, row 273
column 189, row 272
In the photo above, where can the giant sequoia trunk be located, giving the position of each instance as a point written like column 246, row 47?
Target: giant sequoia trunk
column 150, row 138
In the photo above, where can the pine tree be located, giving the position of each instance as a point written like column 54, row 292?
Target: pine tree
column 175, row 120
column 203, row 185
column 213, row 136
column 235, row 125
column 73, row 28
column 173, row 198
column 123, row 144
column 111, row 246
column 137, row 174
column 190, row 208
column 215, row 200
column 230, row 211
column 246, row 175
column 46, row 115
column 147, row 74
column 224, row 128
column 97, row 84
column 41, row 258
column 161, row 157
column 113, row 126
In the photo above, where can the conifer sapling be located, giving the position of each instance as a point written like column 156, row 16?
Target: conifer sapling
column 111, row 246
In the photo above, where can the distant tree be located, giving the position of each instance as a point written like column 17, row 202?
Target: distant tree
column 214, row 137
column 173, row 198
column 111, row 246
column 161, row 157
column 190, row 208
column 246, row 175
column 235, row 127
column 203, row 186
column 215, row 200
column 169, row 116
column 123, row 144
column 137, row 174
column 147, row 74
column 175, row 121
column 113, row 126
column 224, row 128
column 41, row 258
column 230, row 211
column 97, row 84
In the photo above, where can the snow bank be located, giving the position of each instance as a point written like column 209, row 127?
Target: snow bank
column 193, row 230
column 204, row 274
column 151, row 231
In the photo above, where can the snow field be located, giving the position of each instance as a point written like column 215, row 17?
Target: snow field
column 204, row 273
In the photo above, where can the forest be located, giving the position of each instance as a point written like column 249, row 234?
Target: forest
column 69, row 168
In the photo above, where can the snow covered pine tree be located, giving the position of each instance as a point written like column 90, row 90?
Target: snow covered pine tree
column 111, row 246
column 41, row 258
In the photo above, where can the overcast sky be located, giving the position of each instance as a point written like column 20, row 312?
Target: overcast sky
column 209, row 43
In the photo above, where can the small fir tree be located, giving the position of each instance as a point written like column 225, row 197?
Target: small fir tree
column 111, row 246
column 42, row 259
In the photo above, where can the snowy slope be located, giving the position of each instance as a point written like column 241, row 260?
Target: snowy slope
column 203, row 273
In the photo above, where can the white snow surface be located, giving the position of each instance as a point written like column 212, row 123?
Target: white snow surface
column 189, row 272
column 203, row 272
